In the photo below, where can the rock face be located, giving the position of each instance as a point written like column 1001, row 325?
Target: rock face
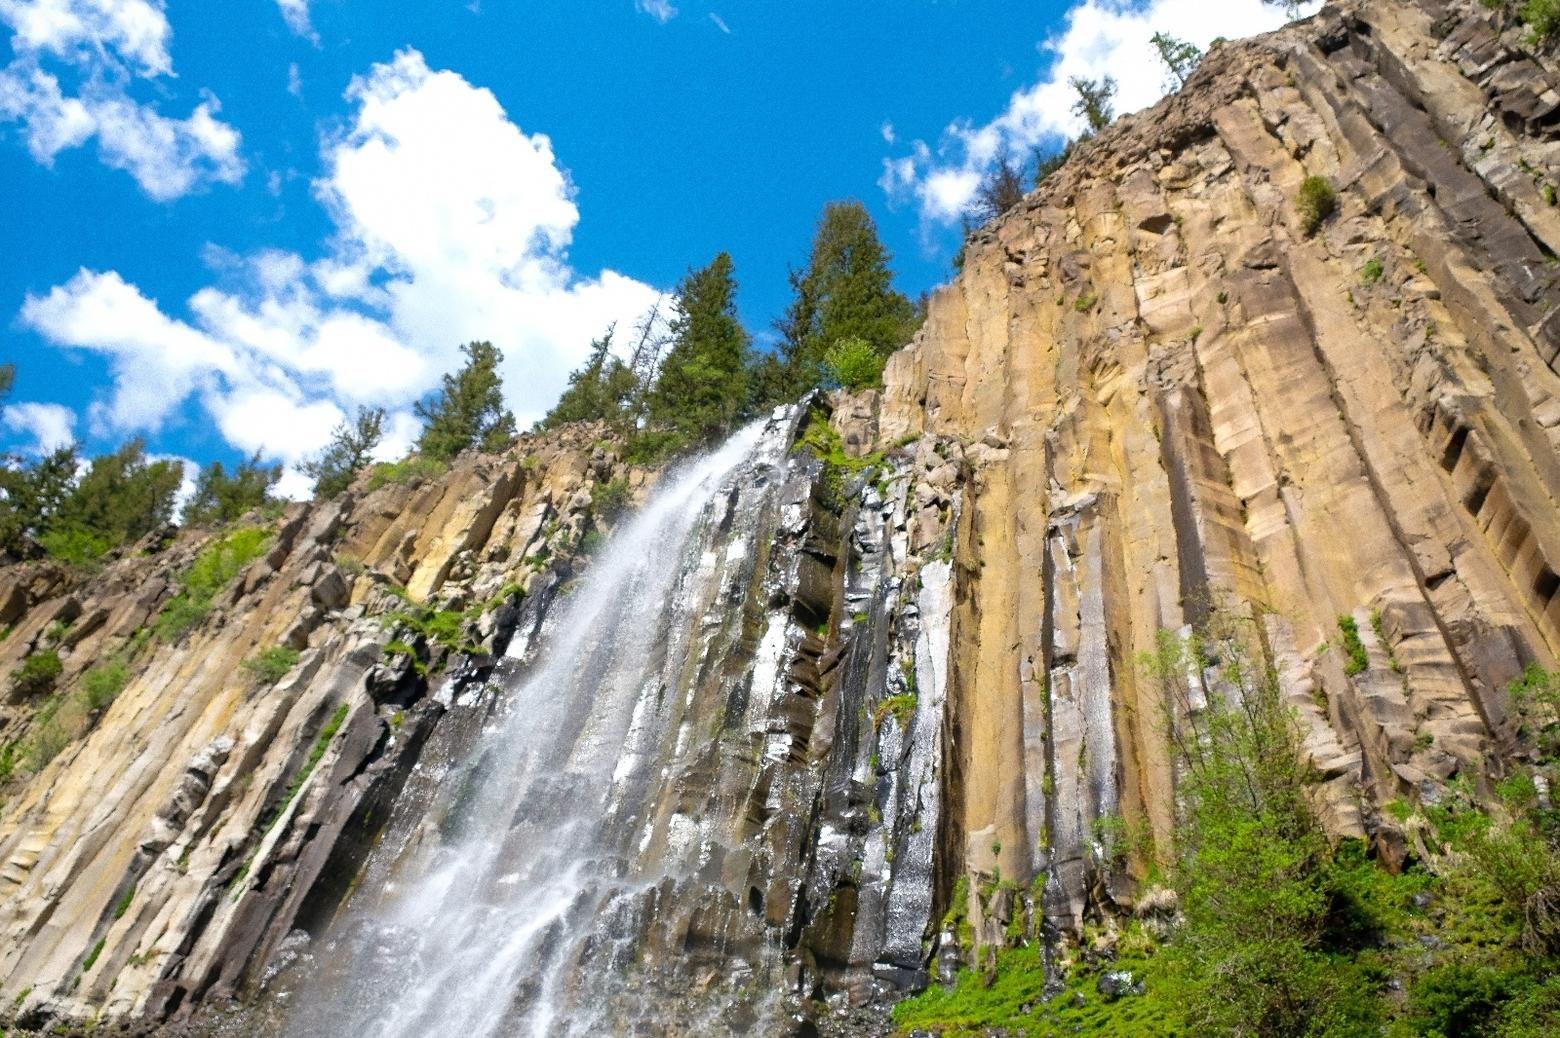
column 1150, row 398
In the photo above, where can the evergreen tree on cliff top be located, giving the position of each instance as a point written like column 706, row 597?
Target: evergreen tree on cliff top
column 703, row 386
column 469, row 411
column 603, row 389
column 846, row 291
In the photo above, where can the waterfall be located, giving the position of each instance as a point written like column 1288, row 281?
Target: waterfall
column 518, row 873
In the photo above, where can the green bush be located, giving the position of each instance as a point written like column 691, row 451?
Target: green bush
column 38, row 673
column 854, row 363
column 216, row 565
column 271, row 665
column 103, row 683
column 1358, row 661
column 1542, row 17
column 407, row 470
column 1318, row 201
column 609, row 498
column 75, row 545
column 1371, row 272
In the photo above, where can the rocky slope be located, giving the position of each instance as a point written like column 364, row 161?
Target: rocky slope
column 1150, row 396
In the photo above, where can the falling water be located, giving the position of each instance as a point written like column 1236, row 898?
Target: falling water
column 511, row 886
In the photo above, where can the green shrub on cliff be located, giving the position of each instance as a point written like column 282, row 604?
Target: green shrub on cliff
column 216, row 565
column 37, row 673
column 1318, row 200
column 271, row 665
column 854, row 364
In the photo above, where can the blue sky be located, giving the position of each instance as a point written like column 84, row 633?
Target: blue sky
column 231, row 223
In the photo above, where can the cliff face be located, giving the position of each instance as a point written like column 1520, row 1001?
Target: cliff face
column 1150, row 397
column 1180, row 400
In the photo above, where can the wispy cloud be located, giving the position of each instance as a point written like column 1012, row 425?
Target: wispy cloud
column 296, row 14
column 720, row 23
column 661, row 10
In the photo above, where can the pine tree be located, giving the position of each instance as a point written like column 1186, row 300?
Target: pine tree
column 1096, row 103
column 221, row 498
column 702, row 388
column 30, row 494
column 1179, row 57
column 120, row 498
column 350, row 450
column 602, row 390
column 469, row 411
column 845, row 292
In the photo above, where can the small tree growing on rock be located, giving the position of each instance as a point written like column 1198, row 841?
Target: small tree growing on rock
column 350, row 450
column 469, row 411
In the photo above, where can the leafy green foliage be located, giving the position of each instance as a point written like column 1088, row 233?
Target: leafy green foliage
column 901, row 708
column 407, row 470
column 271, row 665
column 349, row 452
column 1318, row 200
column 703, row 388
column 1371, row 272
column 1084, row 303
column 38, row 673
column 1536, row 696
column 32, row 496
column 1358, row 660
column 221, row 498
column 854, row 364
column 444, row 628
column 469, row 411
column 216, row 565
column 1253, row 865
column 102, row 684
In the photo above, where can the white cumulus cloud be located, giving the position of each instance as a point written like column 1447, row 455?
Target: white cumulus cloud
column 50, row 426
column 1100, row 38
column 106, row 46
column 452, row 224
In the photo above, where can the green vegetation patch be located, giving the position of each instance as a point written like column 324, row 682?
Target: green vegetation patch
column 901, row 708
column 38, row 673
column 271, row 665
column 1372, row 272
column 216, row 565
column 102, row 684
column 1358, row 661
column 854, row 363
column 1318, row 201
column 407, row 470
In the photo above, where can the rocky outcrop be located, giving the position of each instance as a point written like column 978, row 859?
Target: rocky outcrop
column 902, row 709
column 1174, row 399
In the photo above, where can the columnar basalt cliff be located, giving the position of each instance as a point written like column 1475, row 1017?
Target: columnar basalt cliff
column 899, row 665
